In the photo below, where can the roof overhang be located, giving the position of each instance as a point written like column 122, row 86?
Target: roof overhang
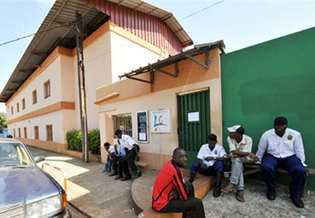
column 56, row 30
column 189, row 54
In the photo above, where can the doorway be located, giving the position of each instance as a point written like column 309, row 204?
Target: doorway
column 193, row 122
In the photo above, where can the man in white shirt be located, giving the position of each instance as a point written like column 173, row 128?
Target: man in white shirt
column 132, row 149
column 241, row 152
column 284, row 148
column 210, row 158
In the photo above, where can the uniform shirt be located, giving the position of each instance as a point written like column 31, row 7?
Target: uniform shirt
column 281, row 147
column 245, row 145
column 127, row 142
column 204, row 152
column 169, row 178
column 111, row 149
column 121, row 151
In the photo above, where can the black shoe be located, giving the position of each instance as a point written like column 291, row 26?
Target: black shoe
column 297, row 201
column 271, row 194
column 138, row 173
column 125, row 178
column 118, row 177
column 217, row 190
column 113, row 174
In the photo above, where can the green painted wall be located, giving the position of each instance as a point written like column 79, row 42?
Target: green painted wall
column 270, row 79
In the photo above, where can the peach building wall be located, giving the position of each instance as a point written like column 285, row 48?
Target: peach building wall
column 132, row 96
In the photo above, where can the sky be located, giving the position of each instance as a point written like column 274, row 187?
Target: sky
column 240, row 23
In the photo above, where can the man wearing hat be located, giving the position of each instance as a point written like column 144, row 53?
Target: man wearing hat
column 241, row 152
column 284, row 148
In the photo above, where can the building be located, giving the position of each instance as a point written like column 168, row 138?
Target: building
column 178, row 101
column 41, row 95
column 173, row 102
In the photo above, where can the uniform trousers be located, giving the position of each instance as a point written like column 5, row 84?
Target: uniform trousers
column 192, row 207
column 294, row 167
column 217, row 167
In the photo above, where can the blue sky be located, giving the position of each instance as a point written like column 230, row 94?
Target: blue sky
column 240, row 23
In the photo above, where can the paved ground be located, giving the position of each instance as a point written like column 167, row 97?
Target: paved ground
column 98, row 195
column 93, row 192
column 257, row 205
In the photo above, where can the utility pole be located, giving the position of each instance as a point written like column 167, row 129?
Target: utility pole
column 81, row 80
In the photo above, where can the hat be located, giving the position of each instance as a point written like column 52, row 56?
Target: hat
column 233, row 128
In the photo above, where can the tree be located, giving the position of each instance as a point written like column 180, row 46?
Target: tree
column 3, row 121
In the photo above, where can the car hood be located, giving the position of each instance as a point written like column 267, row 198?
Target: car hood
column 24, row 185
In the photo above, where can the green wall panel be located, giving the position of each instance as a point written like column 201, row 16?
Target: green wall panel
column 271, row 79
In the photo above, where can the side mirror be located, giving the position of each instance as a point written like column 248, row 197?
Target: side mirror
column 39, row 158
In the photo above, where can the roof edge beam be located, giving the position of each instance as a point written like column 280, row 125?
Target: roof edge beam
column 168, row 73
column 142, row 80
column 206, row 65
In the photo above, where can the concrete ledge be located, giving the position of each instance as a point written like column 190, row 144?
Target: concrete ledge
column 141, row 193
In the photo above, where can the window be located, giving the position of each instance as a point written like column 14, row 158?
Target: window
column 34, row 94
column 14, row 135
column 36, row 133
column 23, row 103
column 17, row 107
column 25, row 132
column 47, row 89
column 11, row 109
column 49, row 133
column 123, row 122
column 19, row 133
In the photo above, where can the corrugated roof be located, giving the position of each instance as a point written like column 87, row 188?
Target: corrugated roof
column 56, row 31
column 167, row 17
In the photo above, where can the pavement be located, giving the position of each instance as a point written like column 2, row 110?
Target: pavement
column 96, row 194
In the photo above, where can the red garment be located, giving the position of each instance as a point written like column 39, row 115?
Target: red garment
column 169, row 178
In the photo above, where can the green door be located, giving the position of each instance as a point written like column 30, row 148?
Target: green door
column 193, row 122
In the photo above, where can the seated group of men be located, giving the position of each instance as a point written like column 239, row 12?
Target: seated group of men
column 278, row 147
column 122, row 157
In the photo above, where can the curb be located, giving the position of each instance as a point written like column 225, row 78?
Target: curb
column 78, row 209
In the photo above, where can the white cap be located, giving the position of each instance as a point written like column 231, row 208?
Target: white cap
column 233, row 128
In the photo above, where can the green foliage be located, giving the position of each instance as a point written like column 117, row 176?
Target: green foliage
column 3, row 121
column 94, row 141
column 74, row 140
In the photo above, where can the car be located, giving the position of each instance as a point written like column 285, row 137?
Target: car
column 26, row 190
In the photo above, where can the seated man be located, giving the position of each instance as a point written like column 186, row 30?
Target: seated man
column 110, row 151
column 131, row 148
column 241, row 152
column 118, row 162
column 210, row 162
column 284, row 148
column 171, row 193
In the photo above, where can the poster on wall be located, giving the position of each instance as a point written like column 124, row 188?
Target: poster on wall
column 142, row 122
column 160, row 121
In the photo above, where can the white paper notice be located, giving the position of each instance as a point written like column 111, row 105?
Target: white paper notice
column 142, row 136
column 193, row 117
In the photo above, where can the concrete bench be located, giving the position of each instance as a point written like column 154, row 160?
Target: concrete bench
column 202, row 185
column 141, row 164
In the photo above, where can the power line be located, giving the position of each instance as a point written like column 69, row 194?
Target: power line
column 33, row 34
column 197, row 12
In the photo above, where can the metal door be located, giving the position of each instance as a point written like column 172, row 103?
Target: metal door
column 193, row 122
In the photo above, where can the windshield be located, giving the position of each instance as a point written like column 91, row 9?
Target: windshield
column 14, row 154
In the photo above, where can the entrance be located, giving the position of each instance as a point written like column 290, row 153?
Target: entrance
column 193, row 122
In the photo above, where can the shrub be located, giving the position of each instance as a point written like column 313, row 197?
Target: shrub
column 74, row 140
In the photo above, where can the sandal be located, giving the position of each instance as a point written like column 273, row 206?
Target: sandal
column 240, row 196
column 227, row 190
